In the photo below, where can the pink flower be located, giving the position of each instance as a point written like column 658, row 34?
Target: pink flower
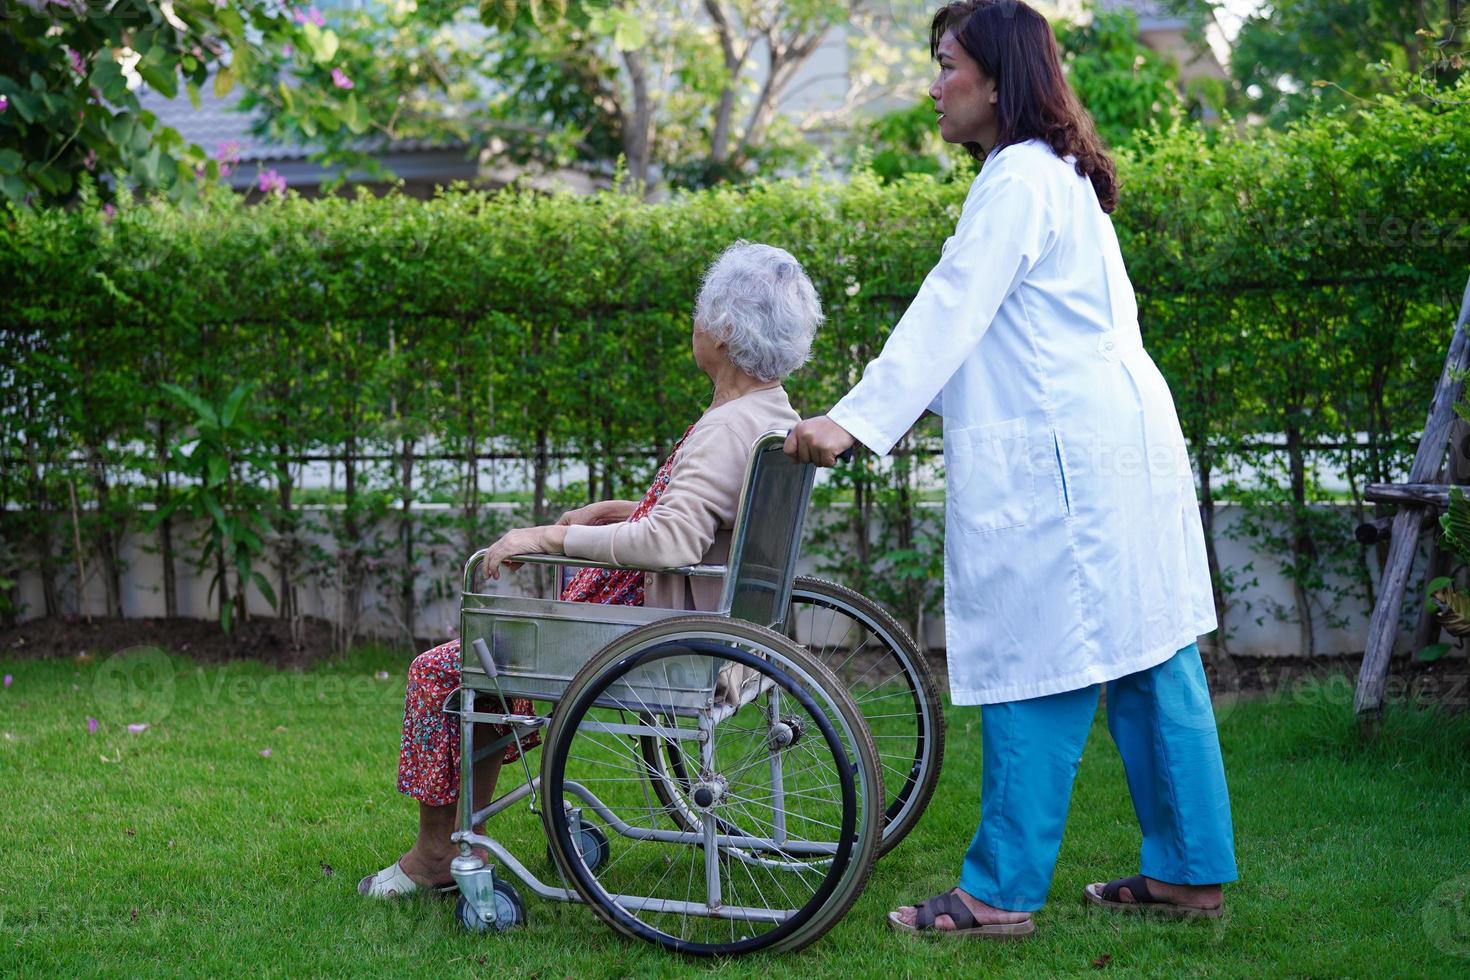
column 265, row 753
column 310, row 15
column 227, row 152
column 91, row 726
column 340, row 79
column 4, row 103
column 90, row 160
column 137, row 728
column 77, row 64
column 9, row 680
column 109, row 211
column 287, row 50
column 272, row 183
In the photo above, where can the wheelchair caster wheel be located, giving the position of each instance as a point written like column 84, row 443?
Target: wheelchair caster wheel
column 510, row 910
column 591, row 843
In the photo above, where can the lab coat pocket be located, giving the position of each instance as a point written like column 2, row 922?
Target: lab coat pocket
column 989, row 483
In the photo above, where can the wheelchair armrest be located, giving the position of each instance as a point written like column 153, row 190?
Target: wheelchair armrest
column 694, row 571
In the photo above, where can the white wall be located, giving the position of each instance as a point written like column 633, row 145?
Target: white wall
column 142, row 593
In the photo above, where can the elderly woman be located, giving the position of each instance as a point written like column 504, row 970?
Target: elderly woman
column 753, row 325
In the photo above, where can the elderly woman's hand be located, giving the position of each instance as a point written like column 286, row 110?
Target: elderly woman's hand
column 524, row 541
column 818, row 440
column 602, row 512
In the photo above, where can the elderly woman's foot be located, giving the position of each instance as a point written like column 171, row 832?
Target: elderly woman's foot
column 429, row 868
column 420, row 869
column 985, row 915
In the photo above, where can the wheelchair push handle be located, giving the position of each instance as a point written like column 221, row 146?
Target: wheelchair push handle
column 846, row 456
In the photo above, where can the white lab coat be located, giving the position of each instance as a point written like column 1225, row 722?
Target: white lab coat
column 1074, row 552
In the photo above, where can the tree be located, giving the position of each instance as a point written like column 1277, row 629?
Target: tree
column 69, row 76
column 71, row 70
column 672, row 88
column 1295, row 55
column 1124, row 85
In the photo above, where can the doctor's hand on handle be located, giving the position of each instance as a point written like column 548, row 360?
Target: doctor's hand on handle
column 819, row 440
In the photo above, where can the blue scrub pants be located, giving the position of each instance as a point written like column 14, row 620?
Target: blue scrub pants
column 1164, row 727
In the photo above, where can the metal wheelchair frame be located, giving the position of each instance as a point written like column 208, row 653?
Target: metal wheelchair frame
column 539, row 649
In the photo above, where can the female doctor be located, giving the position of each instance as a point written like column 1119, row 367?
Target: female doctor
column 1074, row 554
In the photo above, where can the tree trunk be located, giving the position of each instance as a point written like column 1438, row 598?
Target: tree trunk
column 406, row 537
column 107, row 538
column 285, row 530
column 222, row 576
column 1303, row 549
column 166, row 526
column 471, row 494
column 913, row 588
column 609, row 462
column 784, row 64
column 638, row 123
column 734, row 60
column 1365, row 575
column 45, row 548
column 349, row 547
column 539, row 474
column 1212, row 557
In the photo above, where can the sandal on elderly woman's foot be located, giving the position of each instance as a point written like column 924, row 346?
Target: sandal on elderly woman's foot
column 965, row 926
column 393, row 882
column 1109, row 896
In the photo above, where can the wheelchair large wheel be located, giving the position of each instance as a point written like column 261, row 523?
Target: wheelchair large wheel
column 780, row 820
column 888, row 678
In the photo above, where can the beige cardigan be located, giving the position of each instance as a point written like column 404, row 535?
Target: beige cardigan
column 691, row 521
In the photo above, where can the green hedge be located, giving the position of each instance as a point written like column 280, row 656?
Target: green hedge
column 1297, row 283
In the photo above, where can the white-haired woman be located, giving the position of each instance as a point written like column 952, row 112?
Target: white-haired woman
column 754, row 321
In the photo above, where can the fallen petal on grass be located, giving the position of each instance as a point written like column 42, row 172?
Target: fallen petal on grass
column 9, row 680
column 92, row 726
column 382, row 675
column 138, row 728
column 265, row 753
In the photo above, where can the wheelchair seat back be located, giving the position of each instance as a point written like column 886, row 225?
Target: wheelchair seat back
column 766, row 536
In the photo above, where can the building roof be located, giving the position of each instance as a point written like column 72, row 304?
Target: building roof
column 218, row 121
column 1153, row 15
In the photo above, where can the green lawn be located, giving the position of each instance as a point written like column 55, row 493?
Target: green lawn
column 184, row 850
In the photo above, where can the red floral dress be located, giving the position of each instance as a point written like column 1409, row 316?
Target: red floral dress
column 428, row 752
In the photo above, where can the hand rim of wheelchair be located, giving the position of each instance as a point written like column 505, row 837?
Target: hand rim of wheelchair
column 905, row 805
column 789, row 666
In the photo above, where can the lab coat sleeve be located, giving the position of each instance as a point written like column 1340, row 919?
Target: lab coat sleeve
column 1002, row 233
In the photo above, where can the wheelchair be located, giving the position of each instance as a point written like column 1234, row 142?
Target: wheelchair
column 713, row 782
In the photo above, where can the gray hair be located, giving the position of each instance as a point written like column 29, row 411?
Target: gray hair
column 757, row 301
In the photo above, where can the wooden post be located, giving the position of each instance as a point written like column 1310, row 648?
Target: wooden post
column 1404, row 538
column 1426, row 633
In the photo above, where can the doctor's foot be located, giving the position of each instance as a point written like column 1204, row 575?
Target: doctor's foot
column 1141, row 894
column 980, row 917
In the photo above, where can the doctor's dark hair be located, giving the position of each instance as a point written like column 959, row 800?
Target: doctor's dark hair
column 1014, row 45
